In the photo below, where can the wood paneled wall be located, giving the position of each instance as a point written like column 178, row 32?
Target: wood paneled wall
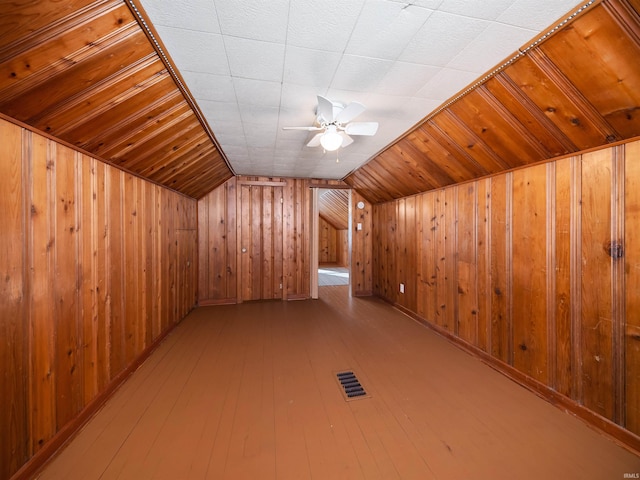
column 361, row 246
column 96, row 264
column 333, row 245
column 229, row 275
column 539, row 268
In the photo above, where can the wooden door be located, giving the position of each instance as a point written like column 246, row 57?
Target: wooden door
column 261, row 247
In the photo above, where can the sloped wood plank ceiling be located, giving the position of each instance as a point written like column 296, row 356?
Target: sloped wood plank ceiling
column 577, row 89
column 333, row 206
column 88, row 73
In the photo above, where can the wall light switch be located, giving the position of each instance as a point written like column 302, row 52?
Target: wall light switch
column 402, row 288
column 358, row 226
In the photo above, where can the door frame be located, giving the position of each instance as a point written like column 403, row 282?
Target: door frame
column 315, row 240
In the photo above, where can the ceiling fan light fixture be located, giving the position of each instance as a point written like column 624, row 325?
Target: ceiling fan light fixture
column 331, row 140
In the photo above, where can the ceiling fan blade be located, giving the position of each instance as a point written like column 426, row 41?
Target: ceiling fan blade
column 308, row 129
column 350, row 112
column 315, row 141
column 325, row 109
column 346, row 139
column 361, row 128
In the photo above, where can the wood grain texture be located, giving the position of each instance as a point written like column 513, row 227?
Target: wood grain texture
column 597, row 322
column 88, row 73
column 548, row 253
column 248, row 391
column 361, row 274
column 77, row 302
column 529, row 263
column 563, row 325
column 572, row 90
column 14, row 292
column 632, row 287
column 500, row 271
column 328, row 242
column 467, row 263
column 270, row 218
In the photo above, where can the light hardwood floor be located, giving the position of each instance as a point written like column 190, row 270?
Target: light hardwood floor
column 249, row 392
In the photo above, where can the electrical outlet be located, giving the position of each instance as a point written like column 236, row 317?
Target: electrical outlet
column 402, row 288
column 358, row 226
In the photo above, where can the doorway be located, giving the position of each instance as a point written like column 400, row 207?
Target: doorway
column 261, row 242
column 332, row 238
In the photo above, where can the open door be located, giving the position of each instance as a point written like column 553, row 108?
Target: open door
column 331, row 238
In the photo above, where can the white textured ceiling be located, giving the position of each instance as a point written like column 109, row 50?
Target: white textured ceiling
column 255, row 66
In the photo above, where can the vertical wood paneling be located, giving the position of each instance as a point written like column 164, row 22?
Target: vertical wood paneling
column 87, row 202
column 632, row 287
column 450, row 258
column 231, row 219
column 409, row 258
column 390, row 219
column 148, row 236
column 102, row 273
column 272, row 224
column 342, row 257
column 217, row 240
column 131, row 250
column 261, row 243
column 13, row 330
column 597, row 323
column 42, row 327
column 186, row 288
column 328, row 242
column 277, row 277
column 483, row 259
column 68, row 378
column 80, row 291
column 529, row 263
column 216, row 251
column 500, row 314
column 541, row 252
column 400, row 245
column 422, row 278
column 563, row 327
column 428, row 256
column 441, row 258
column 115, row 294
column 296, row 213
column 467, row 270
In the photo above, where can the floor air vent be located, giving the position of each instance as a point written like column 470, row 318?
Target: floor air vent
column 351, row 386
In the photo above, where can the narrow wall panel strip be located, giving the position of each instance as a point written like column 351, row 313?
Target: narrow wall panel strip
column 42, row 325
column 68, row 358
column 483, row 242
column 115, row 296
column 529, row 263
column 450, row 221
column 13, row 331
column 597, row 322
column 499, row 293
column 562, row 302
column 467, row 268
column 440, row 249
column 632, row 287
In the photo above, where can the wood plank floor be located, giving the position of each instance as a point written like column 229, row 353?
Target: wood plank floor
column 249, row 392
